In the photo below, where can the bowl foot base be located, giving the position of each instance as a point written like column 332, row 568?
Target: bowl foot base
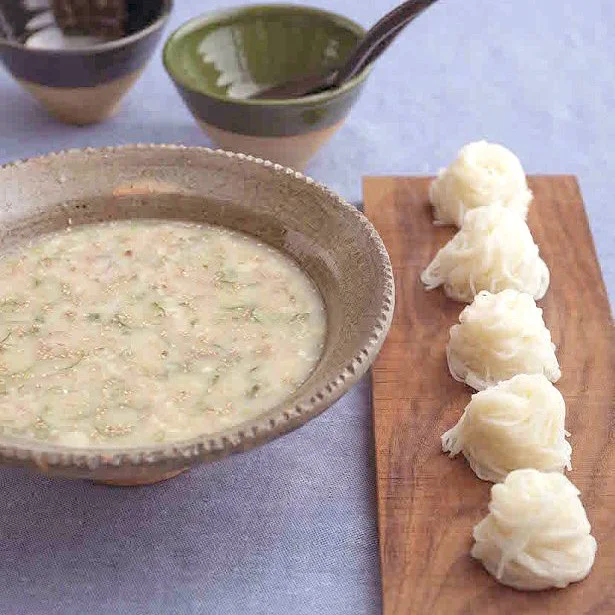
column 85, row 105
column 149, row 479
column 293, row 151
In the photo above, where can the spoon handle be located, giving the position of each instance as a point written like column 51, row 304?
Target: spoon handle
column 380, row 37
column 380, row 48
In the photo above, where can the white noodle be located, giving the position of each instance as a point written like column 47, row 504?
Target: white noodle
column 536, row 534
column 494, row 250
column 483, row 174
column 516, row 424
column 499, row 336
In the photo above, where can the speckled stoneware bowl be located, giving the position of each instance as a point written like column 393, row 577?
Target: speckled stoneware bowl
column 217, row 60
column 330, row 239
column 82, row 85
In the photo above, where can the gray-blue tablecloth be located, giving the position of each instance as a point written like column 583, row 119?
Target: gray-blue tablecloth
column 290, row 528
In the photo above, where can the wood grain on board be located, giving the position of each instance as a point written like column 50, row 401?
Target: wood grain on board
column 428, row 503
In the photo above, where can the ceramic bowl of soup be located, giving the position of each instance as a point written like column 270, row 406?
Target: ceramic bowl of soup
column 162, row 306
column 217, row 61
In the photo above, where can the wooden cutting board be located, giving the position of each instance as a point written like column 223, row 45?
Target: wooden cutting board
column 428, row 503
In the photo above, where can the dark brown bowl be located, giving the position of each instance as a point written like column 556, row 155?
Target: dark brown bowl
column 333, row 243
column 85, row 85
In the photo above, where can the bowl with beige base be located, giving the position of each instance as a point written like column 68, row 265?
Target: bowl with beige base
column 77, row 79
column 218, row 60
column 329, row 240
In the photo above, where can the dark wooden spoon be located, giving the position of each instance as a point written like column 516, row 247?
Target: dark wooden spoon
column 373, row 44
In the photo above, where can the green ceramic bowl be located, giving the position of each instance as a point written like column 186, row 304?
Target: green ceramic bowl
column 217, row 60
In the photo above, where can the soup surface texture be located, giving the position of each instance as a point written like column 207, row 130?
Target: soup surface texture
column 140, row 332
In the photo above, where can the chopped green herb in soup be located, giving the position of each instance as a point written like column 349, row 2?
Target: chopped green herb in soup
column 133, row 332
